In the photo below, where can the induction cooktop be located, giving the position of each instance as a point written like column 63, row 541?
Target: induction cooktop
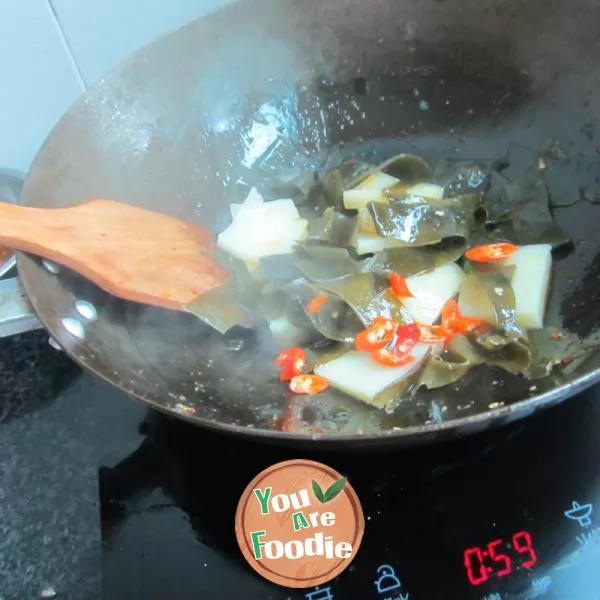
column 510, row 514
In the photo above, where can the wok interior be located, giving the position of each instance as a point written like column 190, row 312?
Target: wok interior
column 271, row 88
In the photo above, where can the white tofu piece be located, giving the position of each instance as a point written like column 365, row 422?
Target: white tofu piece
column 370, row 243
column 262, row 229
column 377, row 181
column 359, row 198
column 285, row 208
column 531, row 283
column 431, row 291
column 253, row 199
column 427, row 190
column 358, row 375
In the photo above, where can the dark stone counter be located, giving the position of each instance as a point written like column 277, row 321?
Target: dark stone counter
column 57, row 426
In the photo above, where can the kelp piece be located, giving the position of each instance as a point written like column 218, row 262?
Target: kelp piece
column 547, row 348
column 326, row 191
column 368, row 296
column 413, row 261
column 335, row 320
column 494, row 202
column 279, row 267
column 493, row 283
column 220, row 308
column 333, row 189
column 267, row 299
column 319, row 262
column 459, row 177
column 238, row 268
column 420, row 224
column 523, row 210
column 508, row 346
column 385, row 304
column 452, row 365
column 296, row 187
column 357, row 291
column 513, row 354
column 351, row 169
column 469, row 202
column 334, row 227
column 408, row 168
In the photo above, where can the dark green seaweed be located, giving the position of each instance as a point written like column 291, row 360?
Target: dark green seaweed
column 408, row 168
column 319, row 262
column 369, row 297
column 220, row 308
column 336, row 319
column 334, row 227
column 421, row 224
column 413, row 261
column 521, row 209
column 460, row 176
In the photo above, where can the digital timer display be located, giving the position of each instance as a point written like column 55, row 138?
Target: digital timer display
column 500, row 558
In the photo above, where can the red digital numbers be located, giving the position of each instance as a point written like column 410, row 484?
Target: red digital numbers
column 481, row 575
column 522, row 543
column 479, row 572
column 500, row 558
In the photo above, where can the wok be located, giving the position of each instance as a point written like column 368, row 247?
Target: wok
column 264, row 87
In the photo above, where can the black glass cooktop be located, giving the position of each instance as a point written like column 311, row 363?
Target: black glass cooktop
column 512, row 514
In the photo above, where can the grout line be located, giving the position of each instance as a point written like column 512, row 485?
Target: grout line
column 66, row 44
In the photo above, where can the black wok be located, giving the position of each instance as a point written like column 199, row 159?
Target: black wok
column 268, row 86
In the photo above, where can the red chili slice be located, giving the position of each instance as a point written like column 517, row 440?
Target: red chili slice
column 391, row 357
column 453, row 320
column 291, row 363
column 316, row 304
column 450, row 312
column 377, row 336
column 405, row 339
column 491, row 252
column 308, row 384
column 407, row 333
column 432, row 334
column 399, row 286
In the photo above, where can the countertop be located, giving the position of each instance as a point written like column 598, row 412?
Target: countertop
column 57, row 426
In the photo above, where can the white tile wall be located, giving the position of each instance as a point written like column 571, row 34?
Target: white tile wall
column 102, row 32
column 51, row 49
column 39, row 81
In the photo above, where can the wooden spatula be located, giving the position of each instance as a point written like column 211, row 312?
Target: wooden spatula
column 133, row 253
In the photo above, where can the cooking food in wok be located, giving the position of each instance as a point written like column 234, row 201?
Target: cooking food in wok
column 379, row 280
